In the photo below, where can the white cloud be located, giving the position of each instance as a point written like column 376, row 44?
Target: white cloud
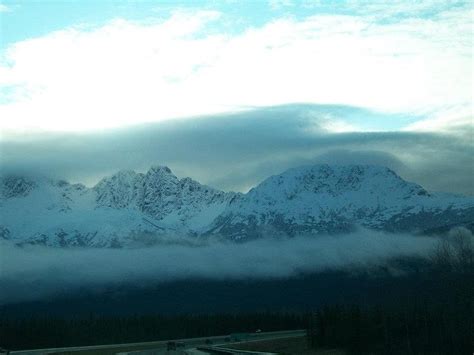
column 399, row 7
column 452, row 119
column 4, row 8
column 279, row 4
column 127, row 72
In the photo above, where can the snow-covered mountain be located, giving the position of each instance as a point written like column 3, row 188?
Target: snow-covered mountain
column 134, row 209
column 125, row 209
column 334, row 199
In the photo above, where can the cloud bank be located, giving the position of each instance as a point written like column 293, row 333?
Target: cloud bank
column 36, row 272
column 236, row 151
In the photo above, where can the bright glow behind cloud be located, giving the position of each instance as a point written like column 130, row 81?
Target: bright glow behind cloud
column 127, row 72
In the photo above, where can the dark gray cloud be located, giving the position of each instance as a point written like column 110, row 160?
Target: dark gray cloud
column 36, row 272
column 236, row 151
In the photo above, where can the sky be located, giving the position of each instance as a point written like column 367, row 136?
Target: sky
column 229, row 92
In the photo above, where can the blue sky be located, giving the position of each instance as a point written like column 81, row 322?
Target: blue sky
column 21, row 20
column 88, row 65
column 26, row 19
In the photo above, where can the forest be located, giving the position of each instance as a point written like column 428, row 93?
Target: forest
column 441, row 323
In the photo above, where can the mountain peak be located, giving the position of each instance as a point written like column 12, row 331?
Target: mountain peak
column 355, row 169
column 337, row 180
column 334, row 198
column 159, row 169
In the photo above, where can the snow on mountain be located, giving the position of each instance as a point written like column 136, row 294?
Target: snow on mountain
column 159, row 194
column 333, row 199
column 15, row 186
column 125, row 209
column 131, row 209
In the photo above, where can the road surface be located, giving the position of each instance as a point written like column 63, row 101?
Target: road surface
column 159, row 347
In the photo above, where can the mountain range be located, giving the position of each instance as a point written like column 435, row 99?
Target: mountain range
column 130, row 209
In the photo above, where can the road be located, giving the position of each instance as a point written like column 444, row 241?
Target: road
column 158, row 347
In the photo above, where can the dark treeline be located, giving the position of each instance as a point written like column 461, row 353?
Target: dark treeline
column 415, row 329
column 46, row 332
column 441, row 323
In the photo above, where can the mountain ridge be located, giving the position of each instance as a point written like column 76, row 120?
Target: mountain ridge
column 129, row 209
column 329, row 199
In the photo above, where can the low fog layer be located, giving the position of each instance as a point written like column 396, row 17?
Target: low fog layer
column 31, row 273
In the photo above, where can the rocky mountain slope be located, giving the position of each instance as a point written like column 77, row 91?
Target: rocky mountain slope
column 125, row 209
column 131, row 209
column 336, row 199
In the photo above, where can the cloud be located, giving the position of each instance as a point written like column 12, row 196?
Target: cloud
column 404, row 8
column 52, row 270
column 237, row 151
column 188, row 64
column 4, row 8
column 457, row 119
column 279, row 4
